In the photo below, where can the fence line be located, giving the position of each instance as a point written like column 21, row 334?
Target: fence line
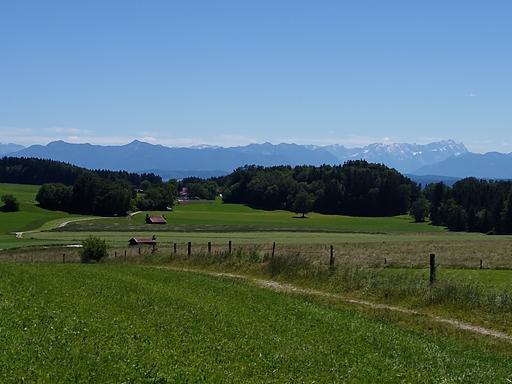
column 323, row 253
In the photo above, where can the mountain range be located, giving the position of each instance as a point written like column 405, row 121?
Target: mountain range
column 445, row 158
column 491, row 165
column 9, row 148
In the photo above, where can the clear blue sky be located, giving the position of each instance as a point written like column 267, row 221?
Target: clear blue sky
column 234, row 72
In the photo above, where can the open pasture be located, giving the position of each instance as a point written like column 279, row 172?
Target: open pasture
column 214, row 216
column 452, row 249
column 30, row 217
column 131, row 324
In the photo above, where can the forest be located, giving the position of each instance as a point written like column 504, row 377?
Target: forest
column 19, row 170
column 74, row 189
column 471, row 205
column 356, row 188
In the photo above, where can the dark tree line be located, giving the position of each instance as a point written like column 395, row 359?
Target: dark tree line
column 37, row 171
column 355, row 188
column 79, row 190
column 472, row 205
column 21, row 170
column 89, row 195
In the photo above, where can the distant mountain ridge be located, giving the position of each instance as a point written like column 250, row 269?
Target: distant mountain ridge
column 139, row 156
column 5, row 149
column 491, row 165
column 402, row 156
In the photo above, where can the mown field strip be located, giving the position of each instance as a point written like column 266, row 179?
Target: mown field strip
column 289, row 288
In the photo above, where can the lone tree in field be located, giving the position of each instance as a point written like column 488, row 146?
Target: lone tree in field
column 420, row 209
column 93, row 249
column 303, row 203
column 10, row 203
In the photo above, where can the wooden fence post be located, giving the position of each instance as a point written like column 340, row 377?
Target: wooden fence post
column 189, row 248
column 209, row 247
column 273, row 249
column 331, row 258
column 481, row 264
column 432, row 268
column 63, row 258
column 175, row 248
column 115, row 254
column 125, row 255
column 385, row 261
column 229, row 247
column 139, row 250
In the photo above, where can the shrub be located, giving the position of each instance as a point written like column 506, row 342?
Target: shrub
column 10, row 203
column 93, row 249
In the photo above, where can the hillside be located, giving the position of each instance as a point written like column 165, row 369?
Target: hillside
column 28, row 218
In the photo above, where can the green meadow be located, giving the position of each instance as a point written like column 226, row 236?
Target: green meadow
column 191, row 221
column 92, row 323
column 133, row 319
column 214, row 216
column 30, row 217
column 200, row 222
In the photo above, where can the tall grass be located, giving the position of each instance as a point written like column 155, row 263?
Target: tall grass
column 385, row 284
column 409, row 284
column 354, row 276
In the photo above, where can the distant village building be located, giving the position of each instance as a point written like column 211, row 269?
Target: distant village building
column 183, row 194
column 155, row 220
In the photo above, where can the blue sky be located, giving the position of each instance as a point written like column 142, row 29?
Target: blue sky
column 234, row 72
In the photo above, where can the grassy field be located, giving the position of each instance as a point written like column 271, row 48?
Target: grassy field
column 460, row 250
column 214, row 216
column 30, row 217
column 197, row 221
column 370, row 239
column 107, row 323
column 480, row 297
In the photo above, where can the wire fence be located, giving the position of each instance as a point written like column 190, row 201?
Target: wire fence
column 361, row 254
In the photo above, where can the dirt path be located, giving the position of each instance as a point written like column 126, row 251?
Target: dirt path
column 288, row 288
column 61, row 225
column 19, row 235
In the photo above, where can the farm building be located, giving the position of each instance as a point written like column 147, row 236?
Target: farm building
column 155, row 220
column 142, row 241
